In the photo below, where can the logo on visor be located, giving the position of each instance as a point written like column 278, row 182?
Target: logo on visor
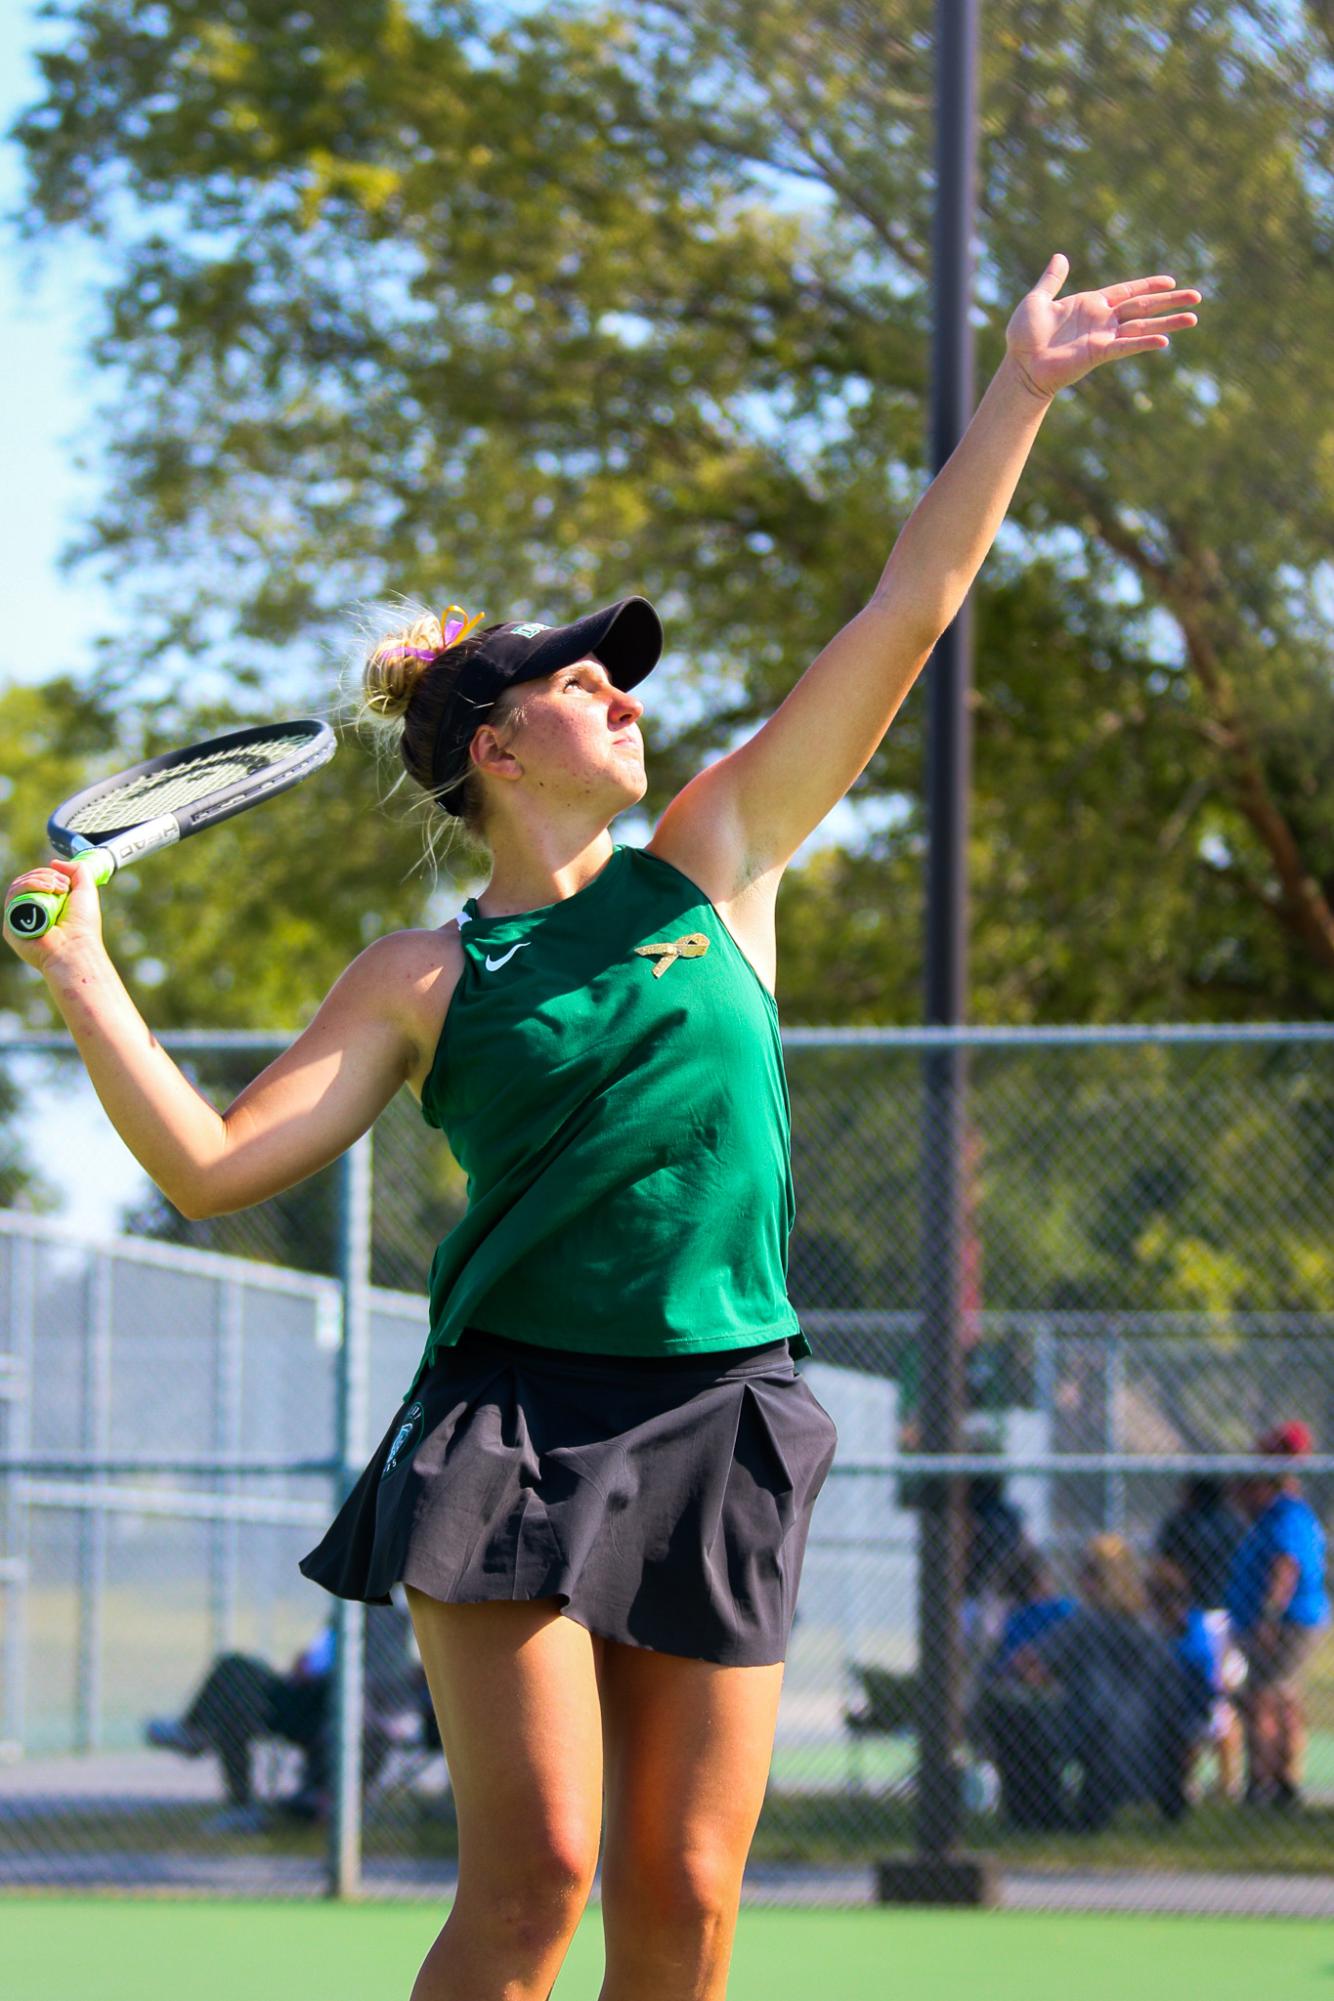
column 527, row 631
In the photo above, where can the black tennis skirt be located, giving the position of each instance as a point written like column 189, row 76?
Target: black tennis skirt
column 664, row 1500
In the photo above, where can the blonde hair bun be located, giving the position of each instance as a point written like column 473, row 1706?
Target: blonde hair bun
column 397, row 663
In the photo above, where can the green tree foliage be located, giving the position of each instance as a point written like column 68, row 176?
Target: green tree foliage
column 54, row 734
column 1141, row 1178
column 246, row 926
column 50, row 733
column 535, row 310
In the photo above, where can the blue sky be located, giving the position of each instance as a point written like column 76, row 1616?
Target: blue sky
column 46, row 311
column 43, row 314
column 48, row 618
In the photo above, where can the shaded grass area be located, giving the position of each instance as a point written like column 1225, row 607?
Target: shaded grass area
column 876, row 1761
column 794, row 1827
column 64, row 1949
column 819, row 1828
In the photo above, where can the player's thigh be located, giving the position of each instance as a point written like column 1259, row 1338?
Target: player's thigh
column 687, row 1747
column 515, row 1693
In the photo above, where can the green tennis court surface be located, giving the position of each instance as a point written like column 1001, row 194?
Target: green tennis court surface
column 62, row 1949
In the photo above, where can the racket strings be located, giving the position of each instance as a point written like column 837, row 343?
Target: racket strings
column 155, row 792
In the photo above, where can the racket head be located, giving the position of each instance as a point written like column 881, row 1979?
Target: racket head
column 198, row 785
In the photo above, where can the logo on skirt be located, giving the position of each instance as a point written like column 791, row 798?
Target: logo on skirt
column 407, row 1434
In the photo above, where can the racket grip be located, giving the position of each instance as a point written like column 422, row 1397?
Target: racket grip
column 32, row 913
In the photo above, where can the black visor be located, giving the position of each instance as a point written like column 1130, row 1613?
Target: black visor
column 626, row 637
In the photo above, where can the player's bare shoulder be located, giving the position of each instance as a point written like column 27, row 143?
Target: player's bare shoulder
column 703, row 846
column 419, row 971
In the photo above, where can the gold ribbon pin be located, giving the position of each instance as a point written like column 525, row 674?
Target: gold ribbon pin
column 693, row 946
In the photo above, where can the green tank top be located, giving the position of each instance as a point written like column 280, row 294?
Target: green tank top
column 610, row 1078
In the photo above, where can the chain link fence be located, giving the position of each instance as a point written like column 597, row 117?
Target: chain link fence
column 1147, row 1287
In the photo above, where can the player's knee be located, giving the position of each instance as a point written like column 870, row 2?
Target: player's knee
column 526, row 1923
column 684, row 1890
column 511, row 1931
column 536, row 1893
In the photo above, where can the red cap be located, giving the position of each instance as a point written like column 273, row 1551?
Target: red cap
column 1292, row 1439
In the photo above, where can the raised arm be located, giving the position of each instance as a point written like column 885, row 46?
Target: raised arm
column 296, row 1116
column 745, row 816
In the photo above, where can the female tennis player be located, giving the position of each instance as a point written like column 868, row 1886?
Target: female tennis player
column 598, row 1490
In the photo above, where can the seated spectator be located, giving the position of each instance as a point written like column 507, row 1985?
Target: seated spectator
column 242, row 1699
column 1028, row 1586
column 1124, row 1699
column 1203, row 1651
column 1279, row 1608
column 396, row 1701
column 1016, row 1725
column 1201, row 1536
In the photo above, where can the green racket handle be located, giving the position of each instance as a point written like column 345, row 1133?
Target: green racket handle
column 32, row 912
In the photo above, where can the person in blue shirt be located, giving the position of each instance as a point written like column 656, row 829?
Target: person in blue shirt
column 1016, row 1727
column 242, row 1700
column 1279, row 1607
column 1034, row 1605
column 1123, row 1695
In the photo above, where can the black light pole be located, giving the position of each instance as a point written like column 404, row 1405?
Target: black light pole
column 944, row 1070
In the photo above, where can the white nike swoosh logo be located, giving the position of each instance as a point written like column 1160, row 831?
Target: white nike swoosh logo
column 494, row 965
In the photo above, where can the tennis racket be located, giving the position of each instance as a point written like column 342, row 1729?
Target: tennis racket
column 164, row 800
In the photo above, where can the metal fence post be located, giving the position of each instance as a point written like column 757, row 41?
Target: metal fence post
column 1113, row 1387
column 225, row 1552
column 354, row 1272
column 93, row 1520
column 940, row 1504
column 948, row 762
column 16, row 1512
column 1044, row 1377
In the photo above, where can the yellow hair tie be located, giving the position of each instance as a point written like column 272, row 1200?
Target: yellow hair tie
column 455, row 623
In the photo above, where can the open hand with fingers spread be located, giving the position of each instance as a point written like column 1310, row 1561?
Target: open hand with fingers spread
column 1055, row 341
